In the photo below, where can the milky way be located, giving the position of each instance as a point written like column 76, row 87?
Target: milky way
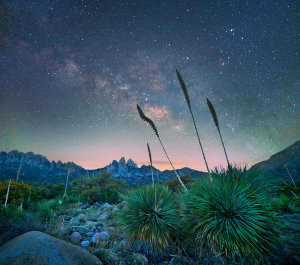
column 72, row 72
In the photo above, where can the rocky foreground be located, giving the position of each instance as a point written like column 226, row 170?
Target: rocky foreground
column 89, row 234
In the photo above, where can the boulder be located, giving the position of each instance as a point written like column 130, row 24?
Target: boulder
column 100, row 237
column 41, row 249
column 85, row 243
column 82, row 218
column 75, row 238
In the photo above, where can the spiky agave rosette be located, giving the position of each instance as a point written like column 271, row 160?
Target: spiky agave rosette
column 232, row 217
column 151, row 216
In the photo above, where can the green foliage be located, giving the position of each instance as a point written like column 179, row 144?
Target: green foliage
column 18, row 192
column 285, row 204
column 151, row 216
column 44, row 210
column 51, row 191
column 287, row 199
column 101, row 188
column 175, row 186
column 11, row 213
column 231, row 214
column 93, row 195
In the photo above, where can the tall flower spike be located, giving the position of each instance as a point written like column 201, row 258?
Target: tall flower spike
column 148, row 120
column 187, row 98
column 150, row 158
column 215, row 117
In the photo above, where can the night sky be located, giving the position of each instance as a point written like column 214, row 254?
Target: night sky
column 72, row 72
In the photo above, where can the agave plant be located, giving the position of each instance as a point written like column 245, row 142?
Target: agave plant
column 187, row 98
column 215, row 118
column 151, row 216
column 151, row 123
column 232, row 215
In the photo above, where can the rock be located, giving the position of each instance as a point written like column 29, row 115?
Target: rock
column 122, row 166
column 85, row 243
column 100, row 237
column 75, row 238
column 89, row 234
column 102, row 217
column 106, row 206
column 137, row 259
column 131, row 164
column 82, row 218
column 107, row 256
column 82, row 229
column 111, row 230
column 64, row 230
column 37, row 248
column 115, row 209
column 83, row 207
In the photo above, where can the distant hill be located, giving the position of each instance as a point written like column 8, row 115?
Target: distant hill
column 275, row 165
column 37, row 169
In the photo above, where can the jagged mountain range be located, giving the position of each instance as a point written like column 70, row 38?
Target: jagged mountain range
column 37, row 169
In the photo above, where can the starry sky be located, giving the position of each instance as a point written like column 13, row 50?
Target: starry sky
column 72, row 72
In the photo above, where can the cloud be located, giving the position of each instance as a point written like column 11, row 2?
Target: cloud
column 156, row 112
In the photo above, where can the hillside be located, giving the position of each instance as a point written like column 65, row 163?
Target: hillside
column 275, row 165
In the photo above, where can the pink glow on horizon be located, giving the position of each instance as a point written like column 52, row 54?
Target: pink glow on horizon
column 95, row 163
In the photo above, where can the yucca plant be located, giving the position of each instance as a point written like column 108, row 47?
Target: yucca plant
column 151, row 216
column 151, row 123
column 18, row 173
column 67, row 180
column 215, row 118
column 150, row 158
column 7, row 193
column 232, row 216
column 187, row 98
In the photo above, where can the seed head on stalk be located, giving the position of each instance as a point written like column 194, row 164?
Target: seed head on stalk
column 151, row 123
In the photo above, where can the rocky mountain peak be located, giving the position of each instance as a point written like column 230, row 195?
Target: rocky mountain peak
column 131, row 163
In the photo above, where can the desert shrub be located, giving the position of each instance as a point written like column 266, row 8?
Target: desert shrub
column 51, row 191
column 90, row 195
column 231, row 214
column 101, row 188
column 18, row 192
column 103, row 180
column 93, row 195
column 175, row 186
column 11, row 213
column 285, row 204
column 151, row 216
column 45, row 211
column 109, row 195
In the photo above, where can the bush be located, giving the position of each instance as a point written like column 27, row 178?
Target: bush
column 11, row 213
column 93, row 195
column 231, row 214
column 101, row 188
column 45, row 211
column 151, row 216
column 51, row 191
column 285, row 204
column 174, row 184
column 18, row 192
